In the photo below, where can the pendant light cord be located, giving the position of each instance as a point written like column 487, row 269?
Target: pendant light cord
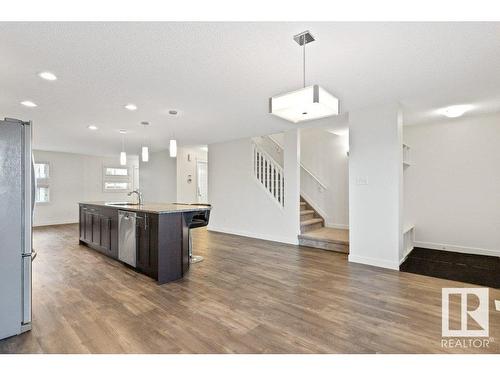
column 304, row 59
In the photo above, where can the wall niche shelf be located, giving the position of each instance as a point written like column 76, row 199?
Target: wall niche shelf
column 408, row 241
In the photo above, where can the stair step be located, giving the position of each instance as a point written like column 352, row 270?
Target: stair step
column 311, row 221
column 311, row 224
column 306, row 214
column 326, row 239
column 324, row 245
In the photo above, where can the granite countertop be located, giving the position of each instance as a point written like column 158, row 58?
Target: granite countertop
column 156, row 208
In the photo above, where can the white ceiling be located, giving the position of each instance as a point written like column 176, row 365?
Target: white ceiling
column 219, row 76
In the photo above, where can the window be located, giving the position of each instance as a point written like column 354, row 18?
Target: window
column 42, row 194
column 116, row 179
column 115, row 186
column 111, row 171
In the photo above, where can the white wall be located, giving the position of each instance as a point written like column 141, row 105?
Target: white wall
column 375, row 186
column 74, row 178
column 324, row 155
column 452, row 190
column 158, row 177
column 240, row 204
column 187, row 191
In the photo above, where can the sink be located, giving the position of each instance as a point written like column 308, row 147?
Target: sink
column 121, row 204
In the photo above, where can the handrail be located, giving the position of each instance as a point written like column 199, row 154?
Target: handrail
column 313, row 176
column 301, row 165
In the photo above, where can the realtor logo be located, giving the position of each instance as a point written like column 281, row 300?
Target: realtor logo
column 477, row 316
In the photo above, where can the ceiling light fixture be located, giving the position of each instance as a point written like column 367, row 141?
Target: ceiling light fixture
column 48, row 76
column 28, row 103
column 173, row 148
column 173, row 143
column 308, row 103
column 454, row 110
column 131, row 107
column 92, row 127
column 145, row 149
column 123, row 154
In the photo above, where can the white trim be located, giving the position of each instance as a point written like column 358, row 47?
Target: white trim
column 374, row 262
column 405, row 256
column 55, row 222
column 337, row 226
column 314, row 206
column 291, row 241
column 456, row 248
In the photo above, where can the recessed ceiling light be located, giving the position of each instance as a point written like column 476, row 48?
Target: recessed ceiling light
column 93, row 127
column 47, row 76
column 454, row 110
column 123, row 131
column 131, row 107
column 172, row 112
column 28, row 103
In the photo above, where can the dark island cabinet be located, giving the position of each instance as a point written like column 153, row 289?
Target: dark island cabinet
column 147, row 243
column 162, row 237
column 99, row 229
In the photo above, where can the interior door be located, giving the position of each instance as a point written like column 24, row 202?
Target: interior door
column 202, row 181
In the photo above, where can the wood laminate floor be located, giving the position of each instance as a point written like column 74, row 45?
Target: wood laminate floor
column 247, row 296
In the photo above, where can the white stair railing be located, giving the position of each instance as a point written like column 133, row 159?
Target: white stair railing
column 279, row 147
column 269, row 174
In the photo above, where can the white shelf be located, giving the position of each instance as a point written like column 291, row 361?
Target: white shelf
column 408, row 228
column 408, row 241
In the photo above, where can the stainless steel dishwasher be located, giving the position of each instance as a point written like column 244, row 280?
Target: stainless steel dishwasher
column 127, row 248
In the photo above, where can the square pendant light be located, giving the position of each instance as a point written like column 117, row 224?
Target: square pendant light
column 309, row 103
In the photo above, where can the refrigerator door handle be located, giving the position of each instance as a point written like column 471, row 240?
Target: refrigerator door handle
column 33, row 186
column 26, row 291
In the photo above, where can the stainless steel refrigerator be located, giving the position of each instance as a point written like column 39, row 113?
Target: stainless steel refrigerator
column 17, row 191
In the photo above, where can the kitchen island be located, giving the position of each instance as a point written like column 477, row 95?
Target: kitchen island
column 153, row 238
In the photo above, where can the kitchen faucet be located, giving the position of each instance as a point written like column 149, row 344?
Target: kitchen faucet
column 139, row 195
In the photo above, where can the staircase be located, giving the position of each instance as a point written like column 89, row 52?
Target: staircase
column 313, row 232
column 268, row 171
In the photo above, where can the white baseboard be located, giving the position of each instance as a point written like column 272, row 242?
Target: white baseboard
column 291, row 241
column 456, row 248
column 374, row 262
column 54, row 222
column 337, row 226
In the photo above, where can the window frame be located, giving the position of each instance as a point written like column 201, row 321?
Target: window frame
column 43, row 182
column 106, row 178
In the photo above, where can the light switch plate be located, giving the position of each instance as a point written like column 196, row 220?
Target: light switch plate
column 361, row 180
